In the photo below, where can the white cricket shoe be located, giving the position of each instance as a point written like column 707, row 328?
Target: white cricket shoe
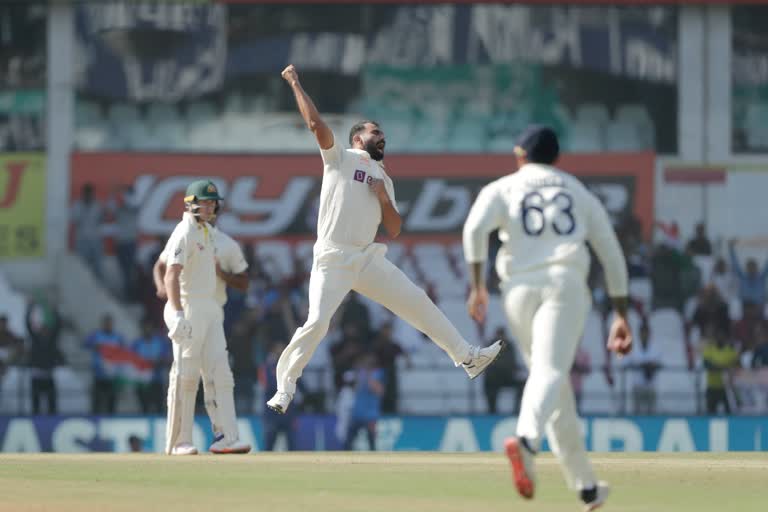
column 521, row 460
column 481, row 358
column 221, row 446
column 280, row 402
column 184, row 449
column 594, row 502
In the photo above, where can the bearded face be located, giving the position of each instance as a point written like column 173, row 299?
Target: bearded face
column 373, row 141
column 375, row 148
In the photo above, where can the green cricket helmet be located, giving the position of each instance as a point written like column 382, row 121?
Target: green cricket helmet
column 201, row 190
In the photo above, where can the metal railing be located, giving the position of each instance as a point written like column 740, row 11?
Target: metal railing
column 440, row 390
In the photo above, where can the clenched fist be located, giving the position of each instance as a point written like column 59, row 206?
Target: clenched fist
column 620, row 337
column 289, row 74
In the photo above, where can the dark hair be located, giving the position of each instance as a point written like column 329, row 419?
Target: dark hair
column 359, row 127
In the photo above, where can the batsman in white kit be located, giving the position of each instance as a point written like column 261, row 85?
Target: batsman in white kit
column 356, row 196
column 198, row 263
column 544, row 217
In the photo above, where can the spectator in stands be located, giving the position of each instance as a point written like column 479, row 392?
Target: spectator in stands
column 152, row 299
column 354, row 312
column 725, row 282
column 345, row 352
column 124, row 208
column 87, row 219
column 752, row 281
column 629, row 231
column 743, row 331
column 582, row 366
column 105, row 371
column 366, row 408
column 387, row 351
column 275, row 423
column 504, row 373
column 666, row 269
column 44, row 325
column 720, row 357
column 278, row 321
column 710, row 308
column 11, row 346
column 700, row 245
column 155, row 348
column 641, row 367
column 760, row 354
column 135, row 444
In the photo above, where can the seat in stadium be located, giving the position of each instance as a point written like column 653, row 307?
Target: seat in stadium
column 88, row 113
column 585, row 137
column 597, row 396
column 592, row 112
column 622, row 136
column 435, row 266
column 676, row 392
column 637, row 114
column 420, row 392
column 668, row 334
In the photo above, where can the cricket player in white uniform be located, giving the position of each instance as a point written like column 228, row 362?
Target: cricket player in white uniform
column 544, row 217
column 231, row 270
column 356, row 196
column 193, row 283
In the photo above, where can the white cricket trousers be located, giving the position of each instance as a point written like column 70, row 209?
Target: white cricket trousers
column 338, row 269
column 547, row 311
column 205, row 352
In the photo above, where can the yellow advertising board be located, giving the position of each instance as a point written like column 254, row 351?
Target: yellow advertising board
column 22, row 205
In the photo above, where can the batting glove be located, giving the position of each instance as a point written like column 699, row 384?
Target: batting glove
column 181, row 328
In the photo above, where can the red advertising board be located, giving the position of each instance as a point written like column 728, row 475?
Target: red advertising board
column 275, row 196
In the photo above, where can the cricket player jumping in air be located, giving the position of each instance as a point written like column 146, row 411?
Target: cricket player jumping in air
column 544, row 217
column 356, row 196
column 192, row 280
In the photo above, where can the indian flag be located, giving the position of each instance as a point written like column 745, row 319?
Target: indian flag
column 125, row 365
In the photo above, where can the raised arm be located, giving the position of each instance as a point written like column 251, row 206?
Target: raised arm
column 307, row 108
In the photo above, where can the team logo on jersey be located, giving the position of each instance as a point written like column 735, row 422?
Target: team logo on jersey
column 360, row 176
column 177, row 252
column 200, row 246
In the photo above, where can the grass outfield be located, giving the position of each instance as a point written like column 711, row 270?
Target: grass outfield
column 365, row 482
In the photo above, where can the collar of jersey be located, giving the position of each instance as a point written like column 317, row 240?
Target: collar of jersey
column 363, row 152
column 530, row 166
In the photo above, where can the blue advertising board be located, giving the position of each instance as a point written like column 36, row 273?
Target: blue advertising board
column 406, row 433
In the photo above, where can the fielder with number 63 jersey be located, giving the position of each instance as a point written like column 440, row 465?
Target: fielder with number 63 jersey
column 544, row 217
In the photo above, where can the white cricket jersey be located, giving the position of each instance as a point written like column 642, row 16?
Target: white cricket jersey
column 350, row 213
column 230, row 257
column 231, row 260
column 191, row 246
column 544, row 217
